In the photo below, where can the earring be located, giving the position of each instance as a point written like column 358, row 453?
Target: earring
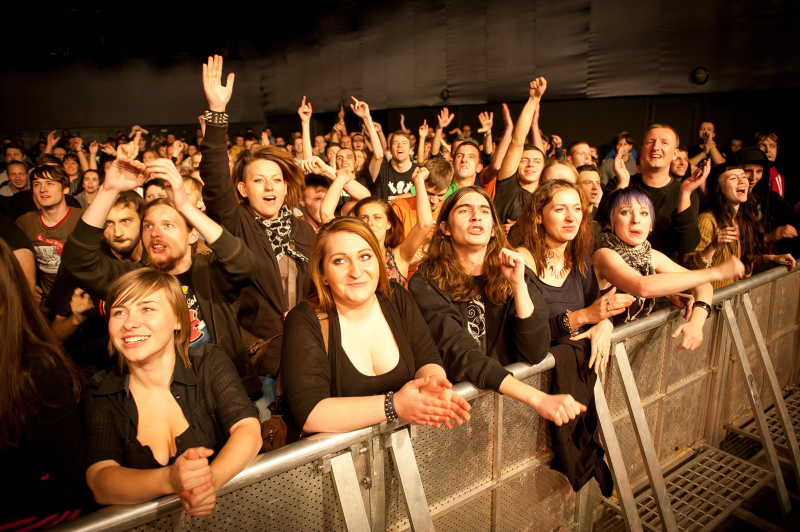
column 325, row 281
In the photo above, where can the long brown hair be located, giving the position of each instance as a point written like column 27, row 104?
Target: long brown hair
column 394, row 234
column 442, row 266
column 530, row 234
column 319, row 294
column 292, row 174
column 27, row 342
column 142, row 282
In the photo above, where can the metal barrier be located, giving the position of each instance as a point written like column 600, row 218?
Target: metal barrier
column 493, row 472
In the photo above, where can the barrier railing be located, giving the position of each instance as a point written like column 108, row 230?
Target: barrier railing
column 493, row 472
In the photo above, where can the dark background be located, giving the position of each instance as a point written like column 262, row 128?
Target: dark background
column 610, row 65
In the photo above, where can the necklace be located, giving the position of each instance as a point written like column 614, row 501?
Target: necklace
column 559, row 273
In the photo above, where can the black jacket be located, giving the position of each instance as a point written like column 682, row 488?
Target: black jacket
column 217, row 279
column 525, row 340
column 263, row 303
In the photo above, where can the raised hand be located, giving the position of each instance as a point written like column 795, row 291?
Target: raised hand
column 726, row 235
column 445, row 118
column 537, row 88
column 361, row 109
column 125, row 174
column 75, row 144
column 698, row 177
column 377, row 126
column 108, row 149
column 423, row 130
column 304, row 111
column 315, row 165
column 487, row 121
column 202, row 120
column 217, row 95
column 419, row 176
column 507, row 118
column 621, row 171
column 264, row 138
column 512, row 266
column 80, row 304
column 51, row 140
column 403, row 123
column 556, row 141
column 340, row 114
column 164, row 169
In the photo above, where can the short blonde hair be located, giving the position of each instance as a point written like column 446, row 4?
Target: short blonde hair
column 319, row 294
column 139, row 284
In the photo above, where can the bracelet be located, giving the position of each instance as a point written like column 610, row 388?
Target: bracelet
column 567, row 326
column 703, row 305
column 216, row 118
column 388, row 407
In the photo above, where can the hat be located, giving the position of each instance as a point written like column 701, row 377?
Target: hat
column 751, row 155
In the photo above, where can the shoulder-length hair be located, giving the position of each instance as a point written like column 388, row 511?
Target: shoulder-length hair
column 292, row 174
column 395, row 232
column 139, row 284
column 751, row 233
column 27, row 342
column 530, row 230
column 442, row 266
column 320, row 295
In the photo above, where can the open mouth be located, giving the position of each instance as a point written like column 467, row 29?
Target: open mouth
column 158, row 248
column 270, row 200
column 135, row 340
column 476, row 230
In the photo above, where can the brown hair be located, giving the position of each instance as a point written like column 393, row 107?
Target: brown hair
column 142, row 282
column 440, row 173
column 442, row 266
column 51, row 173
column 559, row 162
column 763, row 137
column 131, row 199
column 28, row 343
column 319, row 294
column 168, row 202
column 292, row 174
column 530, row 233
column 394, row 234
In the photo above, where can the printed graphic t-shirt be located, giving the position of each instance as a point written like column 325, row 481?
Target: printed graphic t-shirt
column 199, row 334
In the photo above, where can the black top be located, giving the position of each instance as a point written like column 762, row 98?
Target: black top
column 45, row 474
column 391, row 183
column 209, row 392
column 507, row 338
column 577, row 292
column 22, row 202
column 509, row 198
column 309, row 375
column 13, row 236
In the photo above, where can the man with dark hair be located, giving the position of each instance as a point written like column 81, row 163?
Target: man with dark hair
column 522, row 165
column 211, row 282
column 589, row 181
column 316, row 187
column 467, row 164
column 680, row 167
column 579, row 153
column 707, row 147
column 11, row 153
column 48, row 228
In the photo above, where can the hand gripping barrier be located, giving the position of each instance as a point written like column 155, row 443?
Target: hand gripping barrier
column 662, row 410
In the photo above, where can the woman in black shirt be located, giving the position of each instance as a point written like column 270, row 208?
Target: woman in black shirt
column 377, row 343
column 155, row 422
column 556, row 239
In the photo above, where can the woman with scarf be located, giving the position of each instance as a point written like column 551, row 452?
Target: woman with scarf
column 626, row 261
column 257, row 206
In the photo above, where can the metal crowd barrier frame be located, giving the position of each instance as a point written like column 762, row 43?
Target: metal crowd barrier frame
column 493, row 472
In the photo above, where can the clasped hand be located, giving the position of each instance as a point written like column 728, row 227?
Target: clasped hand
column 192, row 480
column 430, row 401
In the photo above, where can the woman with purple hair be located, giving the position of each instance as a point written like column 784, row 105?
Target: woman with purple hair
column 626, row 260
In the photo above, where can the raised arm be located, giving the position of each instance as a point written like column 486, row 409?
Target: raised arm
column 444, row 120
column 490, row 172
column 327, row 209
column 536, row 133
column 219, row 194
column 511, row 161
column 416, row 237
column 305, row 119
column 93, row 148
column 361, row 110
column 423, row 134
column 487, row 121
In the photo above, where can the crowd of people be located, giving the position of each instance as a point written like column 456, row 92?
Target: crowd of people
column 163, row 299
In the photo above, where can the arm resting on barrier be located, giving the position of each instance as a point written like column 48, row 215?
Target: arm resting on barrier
column 113, row 484
column 556, row 408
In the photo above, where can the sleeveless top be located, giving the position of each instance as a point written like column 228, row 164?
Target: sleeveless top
column 391, row 268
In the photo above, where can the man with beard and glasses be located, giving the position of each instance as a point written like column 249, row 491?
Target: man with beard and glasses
column 171, row 226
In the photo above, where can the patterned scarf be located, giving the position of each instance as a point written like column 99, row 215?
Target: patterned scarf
column 640, row 259
column 279, row 231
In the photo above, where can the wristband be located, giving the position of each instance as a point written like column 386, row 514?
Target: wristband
column 703, row 305
column 565, row 318
column 388, row 407
column 215, row 118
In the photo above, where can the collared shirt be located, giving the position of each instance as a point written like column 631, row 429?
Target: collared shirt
column 209, row 393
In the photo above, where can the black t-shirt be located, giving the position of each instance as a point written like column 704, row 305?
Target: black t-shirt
column 391, row 183
column 199, row 334
column 509, row 198
column 13, row 235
